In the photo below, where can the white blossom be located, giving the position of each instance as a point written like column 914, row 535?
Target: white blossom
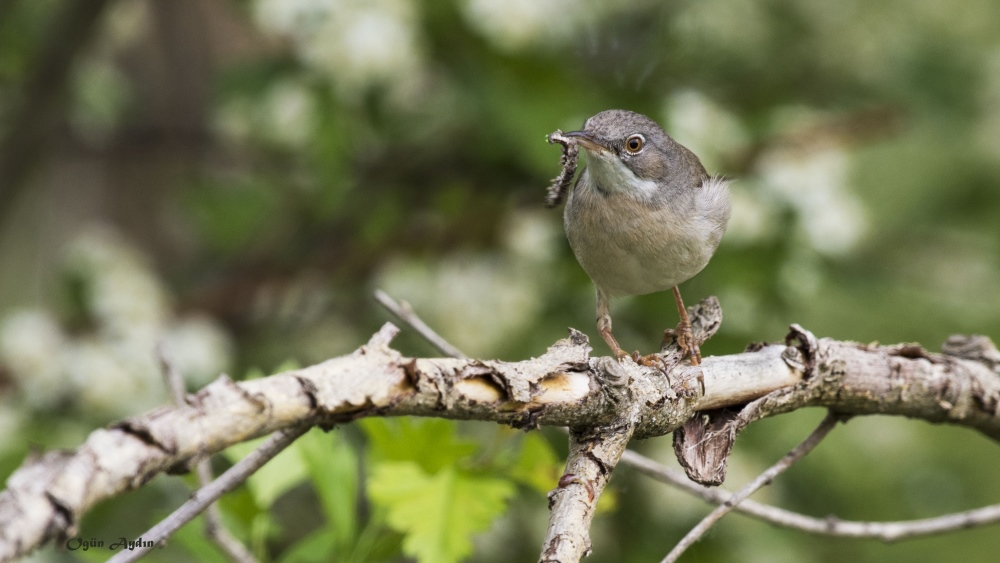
column 112, row 380
column 740, row 26
column 111, row 370
column 31, row 344
column 125, row 297
column 473, row 300
column 753, row 214
column 479, row 301
column 512, row 25
column 198, row 348
column 814, row 184
column 357, row 44
column 533, row 235
column 290, row 113
column 704, row 127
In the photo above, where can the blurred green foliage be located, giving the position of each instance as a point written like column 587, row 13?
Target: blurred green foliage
column 256, row 168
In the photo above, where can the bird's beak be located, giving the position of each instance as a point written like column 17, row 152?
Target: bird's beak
column 588, row 142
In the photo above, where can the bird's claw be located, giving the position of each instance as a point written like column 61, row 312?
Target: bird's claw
column 685, row 340
column 653, row 361
column 649, row 360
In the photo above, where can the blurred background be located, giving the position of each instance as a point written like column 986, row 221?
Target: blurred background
column 231, row 179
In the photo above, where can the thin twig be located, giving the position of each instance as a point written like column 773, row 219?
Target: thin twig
column 171, row 375
column 763, row 479
column 403, row 311
column 214, row 528
column 830, row 526
column 205, row 496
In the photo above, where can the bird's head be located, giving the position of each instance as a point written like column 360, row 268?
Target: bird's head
column 629, row 152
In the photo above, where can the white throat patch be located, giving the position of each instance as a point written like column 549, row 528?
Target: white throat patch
column 609, row 172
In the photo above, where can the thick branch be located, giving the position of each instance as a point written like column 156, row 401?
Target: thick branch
column 972, row 347
column 592, row 458
column 46, row 497
column 961, row 386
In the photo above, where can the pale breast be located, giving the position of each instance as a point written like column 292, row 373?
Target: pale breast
column 630, row 247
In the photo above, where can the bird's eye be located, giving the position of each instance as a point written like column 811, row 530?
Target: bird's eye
column 634, row 143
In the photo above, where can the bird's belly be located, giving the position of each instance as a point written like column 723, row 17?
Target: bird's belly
column 624, row 257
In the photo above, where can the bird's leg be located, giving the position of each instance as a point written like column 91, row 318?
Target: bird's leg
column 604, row 324
column 683, row 333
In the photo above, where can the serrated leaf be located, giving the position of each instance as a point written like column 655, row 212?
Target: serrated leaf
column 537, row 467
column 432, row 443
column 438, row 513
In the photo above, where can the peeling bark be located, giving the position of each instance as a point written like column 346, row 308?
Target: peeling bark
column 46, row 497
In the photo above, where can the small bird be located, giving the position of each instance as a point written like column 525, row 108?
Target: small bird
column 643, row 216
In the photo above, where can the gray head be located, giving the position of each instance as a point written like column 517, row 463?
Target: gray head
column 627, row 151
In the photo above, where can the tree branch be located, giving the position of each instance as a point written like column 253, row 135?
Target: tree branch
column 592, row 458
column 977, row 348
column 46, row 497
column 214, row 528
column 829, row 526
column 403, row 312
column 588, row 467
column 205, row 496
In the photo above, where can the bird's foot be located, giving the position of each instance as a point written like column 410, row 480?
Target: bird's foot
column 649, row 360
column 685, row 339
column 616, row 350
column 653, row 361
column 620, row 354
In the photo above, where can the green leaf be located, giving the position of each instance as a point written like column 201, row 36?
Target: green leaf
column 608, row 503
column 230, row 214
column 318, row 546
column 287, row 365
column 538, row 467
column 437, row 513
column 277, row 476
column 192, row 537
column 333, row 469
column 263, row 528
column 432, row 443
column 254, row 373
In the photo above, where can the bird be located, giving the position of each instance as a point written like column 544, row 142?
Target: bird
column 643, row 217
